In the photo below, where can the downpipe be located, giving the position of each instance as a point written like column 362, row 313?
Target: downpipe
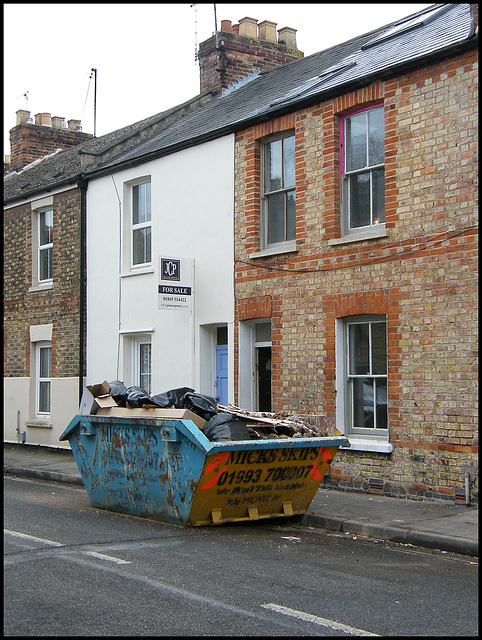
column 21, row 435
column 467, row 489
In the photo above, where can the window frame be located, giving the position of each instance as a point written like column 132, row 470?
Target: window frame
column 46, row 247
column 138, row 342
column 345, row 176
column 41, row 379
column 266, row 194
column 141, row 225
column 345, row 414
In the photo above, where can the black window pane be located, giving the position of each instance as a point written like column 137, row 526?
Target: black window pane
column 379, row 348
column 45, row 355
column 359, row 186
column 273, row 166
column 142, row 245
column 363, row 396
column 276, row 218
column 45, row 264
column 359, row 341
column 141, row 203
column 291, row 215
column 376, row 137
column 289, row 162
column 356, row 152
column 381, row 416
column 45, row 227
column 378, row 185
column 44, row 397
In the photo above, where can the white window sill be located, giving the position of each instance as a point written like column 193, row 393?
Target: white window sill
column 366, row 444
column 373, row 234
column 274, row 251
column 41, row 287
column 137, row 272
column 42, row 424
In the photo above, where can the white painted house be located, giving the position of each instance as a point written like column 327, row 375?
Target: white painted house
column 164, row 223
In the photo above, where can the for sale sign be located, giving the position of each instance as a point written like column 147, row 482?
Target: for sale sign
column 175, row 286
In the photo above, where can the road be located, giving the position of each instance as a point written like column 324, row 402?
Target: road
column 74, row 570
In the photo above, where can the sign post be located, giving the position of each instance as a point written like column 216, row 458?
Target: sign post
column 176, row 291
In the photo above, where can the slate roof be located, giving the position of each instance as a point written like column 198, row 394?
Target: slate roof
column 390, row 50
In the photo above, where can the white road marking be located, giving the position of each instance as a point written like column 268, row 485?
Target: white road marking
column 103, row 556
column 25, row 536
column 53, row 543
column 337, row 626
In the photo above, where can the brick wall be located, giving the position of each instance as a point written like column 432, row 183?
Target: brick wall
column 58, row 306
column 423, row 276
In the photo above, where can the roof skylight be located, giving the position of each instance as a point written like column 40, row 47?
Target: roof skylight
column 407, row 25
column 310, row 84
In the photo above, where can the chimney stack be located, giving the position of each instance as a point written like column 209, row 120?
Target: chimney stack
column 30, row 141
column 240, row 50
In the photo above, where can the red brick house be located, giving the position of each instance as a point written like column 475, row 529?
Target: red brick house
column 356, row 242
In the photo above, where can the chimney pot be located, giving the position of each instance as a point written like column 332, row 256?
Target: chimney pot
column 267, row 30
column 74, row 125
column 58, row 122
column 287, row 35
column 226, row 25
column 248, row 27
column 22, row 116
column 235, row 28
column 43, row 119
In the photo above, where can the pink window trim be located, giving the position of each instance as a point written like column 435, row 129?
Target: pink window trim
column 375, row 105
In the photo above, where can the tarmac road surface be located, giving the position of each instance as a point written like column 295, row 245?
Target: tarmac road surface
column 74, row 570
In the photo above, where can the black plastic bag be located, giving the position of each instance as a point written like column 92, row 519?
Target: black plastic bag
column 203, row 406
column 170, row 398
column 225, row 427
column 118, row 392
column 137, row 397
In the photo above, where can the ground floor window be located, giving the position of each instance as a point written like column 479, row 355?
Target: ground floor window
column 364, row 368
column 43, row 375
column 142, row 362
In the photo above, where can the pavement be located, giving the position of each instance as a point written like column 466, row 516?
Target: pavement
column 436, row 524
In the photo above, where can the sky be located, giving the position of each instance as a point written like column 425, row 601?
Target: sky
column 144, row 54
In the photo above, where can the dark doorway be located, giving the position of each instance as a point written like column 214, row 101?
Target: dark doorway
column 263, row 369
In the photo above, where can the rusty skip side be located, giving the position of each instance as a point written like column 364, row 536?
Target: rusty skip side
column 168, row 470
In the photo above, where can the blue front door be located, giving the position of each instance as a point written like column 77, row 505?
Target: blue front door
column 222, row 373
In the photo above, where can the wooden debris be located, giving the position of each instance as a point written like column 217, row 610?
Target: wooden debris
column 265, row 425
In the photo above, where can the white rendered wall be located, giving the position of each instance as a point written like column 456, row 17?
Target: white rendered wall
column 19, row 397
column 192, row 202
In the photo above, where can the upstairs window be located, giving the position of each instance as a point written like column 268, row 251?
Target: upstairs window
column 141, row 224
column 278, row 192
column 45, row 245
column 363, row 170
